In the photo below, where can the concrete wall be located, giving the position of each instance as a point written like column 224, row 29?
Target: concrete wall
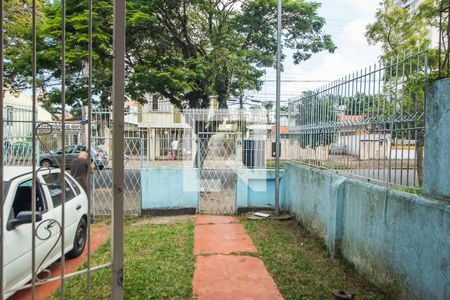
column 399, row 241
column 168, row 189
column 255, row 188
column 164, row 188
column 437, row 139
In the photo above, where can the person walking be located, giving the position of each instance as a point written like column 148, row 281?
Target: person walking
column 174, row 146
column 79, row 169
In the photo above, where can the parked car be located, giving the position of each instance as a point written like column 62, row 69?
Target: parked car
column 17, row 227
column 338, row 149
column 52, row 159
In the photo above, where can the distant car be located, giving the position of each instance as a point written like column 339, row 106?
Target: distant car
column 338, row 149
column 17, row 227
column 53, row 159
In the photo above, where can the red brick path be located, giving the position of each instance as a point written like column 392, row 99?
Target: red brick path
column 220, row 271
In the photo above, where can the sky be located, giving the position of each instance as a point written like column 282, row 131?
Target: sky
column 346, row 21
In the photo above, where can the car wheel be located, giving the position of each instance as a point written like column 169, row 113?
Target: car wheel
column 79, row 240
column 46, row 163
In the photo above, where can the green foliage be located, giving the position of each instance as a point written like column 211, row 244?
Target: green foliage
column 367, row 105
column 189, row 51
column 19, row 54
column 412, row 190
column 398, row 30
column 315, row 114
column 268, row 105
column 272, row 164
column 17, row 40
column 337, row 166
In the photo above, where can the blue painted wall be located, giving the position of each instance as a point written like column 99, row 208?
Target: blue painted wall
column 437, row 139
column 169, row 188
column 399, row 241
column 256, row 188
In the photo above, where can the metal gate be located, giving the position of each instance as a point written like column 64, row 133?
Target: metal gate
column 102, row 193
column 219, row 159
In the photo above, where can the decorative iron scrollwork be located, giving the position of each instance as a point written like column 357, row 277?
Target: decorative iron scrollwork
column 44, row 232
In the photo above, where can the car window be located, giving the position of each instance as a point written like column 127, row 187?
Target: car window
column 5, row 189
column 74, row 185
column 22, row 199
column 80, row 148
column 68, row 149
column 53, row 182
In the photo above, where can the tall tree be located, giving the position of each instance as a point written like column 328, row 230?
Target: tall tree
column 399, row 30
column 187, row 50
column 17, row 41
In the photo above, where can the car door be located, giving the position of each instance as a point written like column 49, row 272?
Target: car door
column 18, row 240
column 71, row 211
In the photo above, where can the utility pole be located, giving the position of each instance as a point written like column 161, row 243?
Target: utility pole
column 277, row 112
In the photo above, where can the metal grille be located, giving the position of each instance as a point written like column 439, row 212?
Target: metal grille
column 219, row 161
column 369, row 124
column 102, row 182
column 27, row 137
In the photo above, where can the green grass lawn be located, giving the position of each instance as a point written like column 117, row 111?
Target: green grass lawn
column 300, row 265
column 272, row 165
column 159, row 264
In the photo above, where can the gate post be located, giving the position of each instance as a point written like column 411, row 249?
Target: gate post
column 199, row 173
column 118, row 142
column 142, row 143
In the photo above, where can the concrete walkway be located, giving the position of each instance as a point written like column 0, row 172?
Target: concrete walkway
column 227, row 266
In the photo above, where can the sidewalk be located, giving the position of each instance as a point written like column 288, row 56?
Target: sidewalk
column 227, row 266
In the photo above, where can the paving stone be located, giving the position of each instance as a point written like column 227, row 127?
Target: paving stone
column 222, row 239
column 233, row 277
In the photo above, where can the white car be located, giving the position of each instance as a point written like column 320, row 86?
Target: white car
column 17, row 225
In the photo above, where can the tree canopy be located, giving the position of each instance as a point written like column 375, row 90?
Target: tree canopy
column 17, row 40
column 398, row 30
column 189, row 51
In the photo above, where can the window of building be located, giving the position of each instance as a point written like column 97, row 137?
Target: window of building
column 9, row 115
column 155, row 100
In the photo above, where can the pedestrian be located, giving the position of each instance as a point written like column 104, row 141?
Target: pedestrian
column 80, row 167
column 174, row 147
